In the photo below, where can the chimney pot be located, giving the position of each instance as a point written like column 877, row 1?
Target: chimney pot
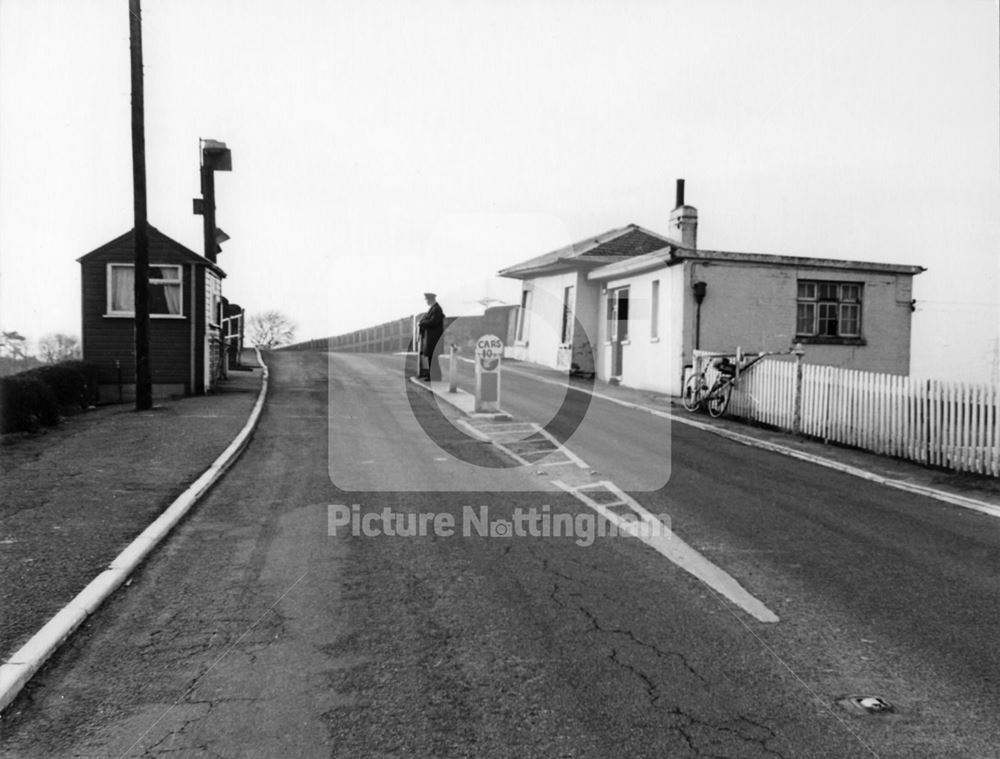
column 684, row 220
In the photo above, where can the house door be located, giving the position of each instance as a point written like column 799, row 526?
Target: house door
column 617, row 327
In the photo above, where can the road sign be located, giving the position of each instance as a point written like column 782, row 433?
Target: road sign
column 489, row 351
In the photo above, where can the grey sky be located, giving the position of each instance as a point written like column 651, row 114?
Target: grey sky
column 384, row 148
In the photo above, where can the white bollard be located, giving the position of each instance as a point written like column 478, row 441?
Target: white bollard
column 453, row 370
column 489, row 351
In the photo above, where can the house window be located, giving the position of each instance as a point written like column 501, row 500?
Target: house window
column 828, row 309
column 654, row 311
column 567, row 316
column 165, row 282
column 522, row 314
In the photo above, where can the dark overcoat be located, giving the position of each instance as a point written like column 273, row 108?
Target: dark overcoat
column 431, row 328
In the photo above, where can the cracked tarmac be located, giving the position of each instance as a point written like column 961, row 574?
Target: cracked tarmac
column 255, row 633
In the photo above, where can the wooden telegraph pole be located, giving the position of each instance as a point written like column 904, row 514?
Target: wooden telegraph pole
column 143, row 373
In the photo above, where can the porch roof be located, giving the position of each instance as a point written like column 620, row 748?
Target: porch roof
column 627, row 242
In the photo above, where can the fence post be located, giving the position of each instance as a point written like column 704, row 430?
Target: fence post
column 798, row 352
column 827, row 406
column 927, row 423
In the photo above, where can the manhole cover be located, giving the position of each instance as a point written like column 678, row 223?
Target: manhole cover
column 866, row 704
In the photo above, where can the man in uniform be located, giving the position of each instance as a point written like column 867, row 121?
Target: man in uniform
column 431, row 328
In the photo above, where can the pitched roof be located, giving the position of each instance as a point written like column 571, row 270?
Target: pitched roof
column 613, row 245
column 673, row 255
column 157, row 241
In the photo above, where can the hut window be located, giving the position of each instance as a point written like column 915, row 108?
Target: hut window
column 165, row 282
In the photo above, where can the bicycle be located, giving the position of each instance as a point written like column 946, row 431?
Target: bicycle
column 699, row 392
column 714, row 398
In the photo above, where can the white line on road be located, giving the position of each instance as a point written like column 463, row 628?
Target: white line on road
column 671, row 547
column 647, row 528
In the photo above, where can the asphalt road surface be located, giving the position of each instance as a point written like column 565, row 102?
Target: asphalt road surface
column 255, row 632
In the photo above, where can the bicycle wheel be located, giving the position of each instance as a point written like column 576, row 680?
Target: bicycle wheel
column 694, row 391
column 718, row 398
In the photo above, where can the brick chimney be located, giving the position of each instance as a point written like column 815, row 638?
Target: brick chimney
column 684, row 220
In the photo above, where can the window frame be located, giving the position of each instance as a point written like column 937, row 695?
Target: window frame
column 615, row 322
column 215, row 310
column 829, row 308
column 110, row 312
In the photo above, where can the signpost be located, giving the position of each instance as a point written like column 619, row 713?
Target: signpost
column 489, row 352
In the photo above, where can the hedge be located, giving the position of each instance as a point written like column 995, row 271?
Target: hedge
column 39, row 396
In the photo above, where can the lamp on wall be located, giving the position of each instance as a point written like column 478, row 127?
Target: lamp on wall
column 699, row 289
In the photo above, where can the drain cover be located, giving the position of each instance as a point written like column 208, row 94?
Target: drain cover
column 866, row 704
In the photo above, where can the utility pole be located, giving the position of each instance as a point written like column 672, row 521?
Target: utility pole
column 143, row 373
column 208, row 209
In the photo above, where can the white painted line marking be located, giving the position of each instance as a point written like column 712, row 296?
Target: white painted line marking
column 680, row 553
column 563, row 449
column 649, row 529
column 473, row 430
column 509, row 452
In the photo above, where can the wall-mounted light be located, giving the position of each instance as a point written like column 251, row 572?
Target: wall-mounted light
column 699, row 289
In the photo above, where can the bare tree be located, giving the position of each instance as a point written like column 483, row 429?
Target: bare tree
column 58, row 347
column 269, row 329
column 12, row 345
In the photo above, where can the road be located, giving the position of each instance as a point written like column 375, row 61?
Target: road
column 255, row 632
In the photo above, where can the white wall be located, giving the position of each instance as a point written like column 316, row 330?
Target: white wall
column 543, row 329
column 588, row 317
column 648, row 363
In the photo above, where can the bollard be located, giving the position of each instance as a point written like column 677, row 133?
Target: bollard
column 453, row 370
column 489, row 351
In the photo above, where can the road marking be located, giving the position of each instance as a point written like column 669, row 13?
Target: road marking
column 531, row 440
column 637, row 521
column 671, row 547
column 472, row 429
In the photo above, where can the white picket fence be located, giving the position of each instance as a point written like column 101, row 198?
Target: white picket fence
column 948, row 424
